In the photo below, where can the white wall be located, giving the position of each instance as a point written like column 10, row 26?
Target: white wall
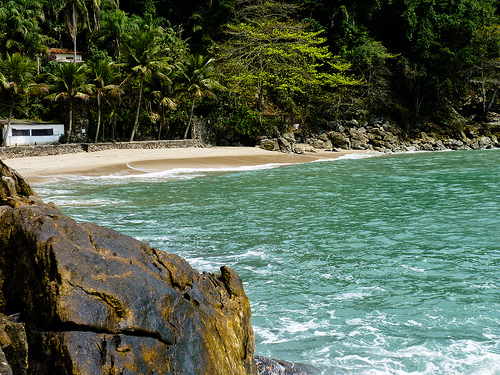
column 68, row 58
column 21, row 134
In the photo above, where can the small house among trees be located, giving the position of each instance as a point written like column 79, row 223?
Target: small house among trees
column 65, row 55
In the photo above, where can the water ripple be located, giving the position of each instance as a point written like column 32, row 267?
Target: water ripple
column 385, row 265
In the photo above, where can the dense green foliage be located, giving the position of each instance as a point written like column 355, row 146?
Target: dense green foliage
column 249, row 66
column 274, row 63
column 17, row 82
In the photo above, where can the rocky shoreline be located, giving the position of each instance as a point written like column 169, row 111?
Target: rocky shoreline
column 78, row 298
column 382, row 136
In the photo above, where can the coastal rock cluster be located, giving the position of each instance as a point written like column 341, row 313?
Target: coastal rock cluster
column 78, row 298
column 382, row 136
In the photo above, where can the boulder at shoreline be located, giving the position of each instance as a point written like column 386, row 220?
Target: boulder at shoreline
column 94, row 301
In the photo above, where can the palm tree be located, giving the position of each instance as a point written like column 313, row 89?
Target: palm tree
column 20, row 30
column 17, row 75
column 102, row 74
column 94, row 12
column 199, row 79
column 70, row 10
column 163, row 91
column 69, row 83
column 143, row 54
column 113, row 32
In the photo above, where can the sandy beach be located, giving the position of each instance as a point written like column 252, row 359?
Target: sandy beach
column 39, row 169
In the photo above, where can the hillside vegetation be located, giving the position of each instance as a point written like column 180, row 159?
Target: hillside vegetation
column 248, row 68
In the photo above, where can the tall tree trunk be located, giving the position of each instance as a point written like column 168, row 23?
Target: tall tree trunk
column 162, row 120
column 190, row 118
column 260, row 100
column 490, row 104
column 75, row 25
column 98, row 116
column 136, row 122
column 483, row 91
column 114, row 120
column 70, row 126
column 118, row 47
column 11, row 111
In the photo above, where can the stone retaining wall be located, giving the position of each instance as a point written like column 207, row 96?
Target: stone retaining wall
column 43, row 150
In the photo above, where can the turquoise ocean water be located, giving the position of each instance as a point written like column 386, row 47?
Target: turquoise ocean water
column 382, row 265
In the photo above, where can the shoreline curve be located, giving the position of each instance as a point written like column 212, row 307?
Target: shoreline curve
column 40, row 169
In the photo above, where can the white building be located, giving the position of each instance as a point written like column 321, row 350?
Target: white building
column 30, row 133
column 65, row 55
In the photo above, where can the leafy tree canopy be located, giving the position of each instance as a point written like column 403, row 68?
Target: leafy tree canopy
column 269, row 53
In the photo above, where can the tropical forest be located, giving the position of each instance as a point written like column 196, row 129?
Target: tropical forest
column 246, row 68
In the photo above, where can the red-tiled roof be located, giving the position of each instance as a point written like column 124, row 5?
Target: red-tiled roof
column 62, row 50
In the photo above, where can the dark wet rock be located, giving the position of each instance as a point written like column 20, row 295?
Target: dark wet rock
column 5, row 368
column 94, row 301
column 266, row 366
column 13, row 347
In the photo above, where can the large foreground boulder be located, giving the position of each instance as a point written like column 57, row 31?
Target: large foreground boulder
column 94, row 301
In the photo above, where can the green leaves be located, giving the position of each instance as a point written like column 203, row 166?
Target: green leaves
column 20, row 27
column 143, row 53
column 269, row 55
column 198, row 78
column 103, row 75
column 69, row 80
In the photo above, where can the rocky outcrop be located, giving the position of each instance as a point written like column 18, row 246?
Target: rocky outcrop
column 94, row 301
column 383, row 136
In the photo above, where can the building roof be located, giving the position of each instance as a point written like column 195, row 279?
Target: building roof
column 63, row 50
column 3, row 122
